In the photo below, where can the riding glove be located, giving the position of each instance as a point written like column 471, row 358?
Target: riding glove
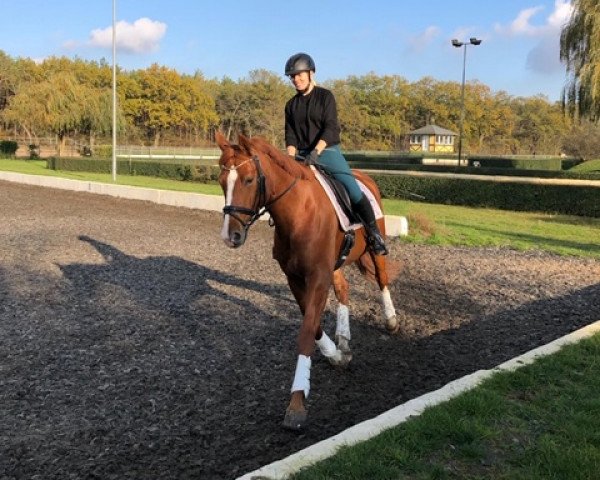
column 312, row 158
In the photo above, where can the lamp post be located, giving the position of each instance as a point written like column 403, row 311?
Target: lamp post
column 114, row 92
column 457, row 44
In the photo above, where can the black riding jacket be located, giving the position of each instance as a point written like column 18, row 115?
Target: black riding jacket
column 310, row 118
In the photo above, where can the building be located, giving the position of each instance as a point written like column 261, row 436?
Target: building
column 432, row 138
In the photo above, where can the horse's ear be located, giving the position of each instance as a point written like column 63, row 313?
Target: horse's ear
column 245, row 143
column 222, row 141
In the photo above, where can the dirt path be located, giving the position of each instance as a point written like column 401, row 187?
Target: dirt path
column 136, row 345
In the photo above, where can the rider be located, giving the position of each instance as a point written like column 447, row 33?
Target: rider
column 312, row 130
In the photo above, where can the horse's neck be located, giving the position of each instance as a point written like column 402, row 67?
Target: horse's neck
column 285, row 209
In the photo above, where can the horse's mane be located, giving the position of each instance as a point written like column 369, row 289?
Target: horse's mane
column 284, row 161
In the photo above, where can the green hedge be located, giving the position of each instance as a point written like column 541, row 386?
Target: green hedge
column 382, row 158
column 561, row 199
column 577, row 175
column 176, row 171
column 549, row 163
column 8, row 148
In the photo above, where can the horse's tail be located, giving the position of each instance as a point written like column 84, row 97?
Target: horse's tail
column 367, row 267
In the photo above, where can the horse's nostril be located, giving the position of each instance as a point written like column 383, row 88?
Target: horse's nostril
column 237, row 238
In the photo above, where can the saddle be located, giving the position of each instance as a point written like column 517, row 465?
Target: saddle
column 340, row 195
column 348, row 220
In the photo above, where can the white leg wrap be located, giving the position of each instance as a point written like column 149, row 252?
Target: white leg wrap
column 388, row 306
column 302, row 375
column 326, row 345
column 343, row 321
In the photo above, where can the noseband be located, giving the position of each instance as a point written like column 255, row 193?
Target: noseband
column 261, row 206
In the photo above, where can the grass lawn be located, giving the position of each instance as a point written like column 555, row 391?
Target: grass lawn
column 539, row 422
column 428, row 223
column 38, row 167
column 483, row 227
column 589, row 166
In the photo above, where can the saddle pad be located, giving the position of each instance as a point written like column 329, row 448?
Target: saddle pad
column 342, row 217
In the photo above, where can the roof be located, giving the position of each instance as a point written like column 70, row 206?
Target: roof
column 432, row 130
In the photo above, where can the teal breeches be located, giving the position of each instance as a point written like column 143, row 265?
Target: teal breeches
column 332, row 160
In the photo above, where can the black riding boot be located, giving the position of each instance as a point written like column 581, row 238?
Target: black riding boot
column 365, row 212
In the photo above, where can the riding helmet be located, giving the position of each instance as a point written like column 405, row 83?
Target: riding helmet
column 300, row 62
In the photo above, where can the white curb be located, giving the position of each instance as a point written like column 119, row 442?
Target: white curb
column 363, row 431
column 394, row 225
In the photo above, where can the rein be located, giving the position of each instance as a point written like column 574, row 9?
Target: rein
column 261, row 206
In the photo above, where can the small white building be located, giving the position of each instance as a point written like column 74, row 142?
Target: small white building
column 432, row 138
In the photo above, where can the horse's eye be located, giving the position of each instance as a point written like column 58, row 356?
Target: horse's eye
column 248, row 181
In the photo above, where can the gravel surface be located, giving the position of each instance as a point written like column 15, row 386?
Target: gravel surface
column 136, row 345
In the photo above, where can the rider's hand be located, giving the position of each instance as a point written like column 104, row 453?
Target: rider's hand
column 312, row 158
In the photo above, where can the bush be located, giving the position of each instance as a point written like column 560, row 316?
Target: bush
column 102, row 151
column 34, row 151
column 8, row 148
column 175, row 171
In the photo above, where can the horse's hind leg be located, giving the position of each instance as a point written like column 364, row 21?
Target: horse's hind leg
column 391, row 322
column 342, row 330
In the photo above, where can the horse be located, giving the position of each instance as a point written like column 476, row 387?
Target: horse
column 257, row 178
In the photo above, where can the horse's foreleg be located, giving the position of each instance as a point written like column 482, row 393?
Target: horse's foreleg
column 391, row 322
column 311, row 298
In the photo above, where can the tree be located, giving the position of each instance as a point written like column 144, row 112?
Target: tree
column 59, row 105
column 539, row 125
column 583, row 141
column 159, row 99
column 382, row 102
column 580, row 50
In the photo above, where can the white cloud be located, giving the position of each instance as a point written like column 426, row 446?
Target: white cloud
column 419, row 42
column 523, row 24
column 544, row 57
column 141, row 36
column 561, row 14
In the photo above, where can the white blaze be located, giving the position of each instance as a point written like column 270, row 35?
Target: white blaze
column 231, row 179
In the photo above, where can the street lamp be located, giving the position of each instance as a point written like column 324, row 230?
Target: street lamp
column 457, row 44
column 114, row 92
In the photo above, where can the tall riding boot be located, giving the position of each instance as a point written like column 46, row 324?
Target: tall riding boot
column 365, row 212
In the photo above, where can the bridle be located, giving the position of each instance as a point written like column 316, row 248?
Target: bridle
column 261, row 206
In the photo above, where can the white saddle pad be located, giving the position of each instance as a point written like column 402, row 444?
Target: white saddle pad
column 343, row 218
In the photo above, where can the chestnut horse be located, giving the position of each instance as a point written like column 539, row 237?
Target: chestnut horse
column 257, row 178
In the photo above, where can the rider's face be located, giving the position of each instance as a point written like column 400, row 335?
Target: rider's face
column 301, row 80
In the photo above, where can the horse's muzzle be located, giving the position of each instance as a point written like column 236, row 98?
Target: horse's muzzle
column 235, row 239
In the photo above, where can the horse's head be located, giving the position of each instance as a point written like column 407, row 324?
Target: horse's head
column 243, row 184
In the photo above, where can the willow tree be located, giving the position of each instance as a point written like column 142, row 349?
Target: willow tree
column 580, row 50
column 59, row 105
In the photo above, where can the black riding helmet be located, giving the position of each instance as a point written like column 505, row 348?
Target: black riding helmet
column 300, row 62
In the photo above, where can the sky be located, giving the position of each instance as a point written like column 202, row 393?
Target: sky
column 519, row 53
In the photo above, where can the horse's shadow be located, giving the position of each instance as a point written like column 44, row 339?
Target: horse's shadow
column 170, row 285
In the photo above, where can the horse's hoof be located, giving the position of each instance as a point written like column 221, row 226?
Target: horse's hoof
column 392, row 325
column 340, row 359
column 295, row 420
column 343, row 354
